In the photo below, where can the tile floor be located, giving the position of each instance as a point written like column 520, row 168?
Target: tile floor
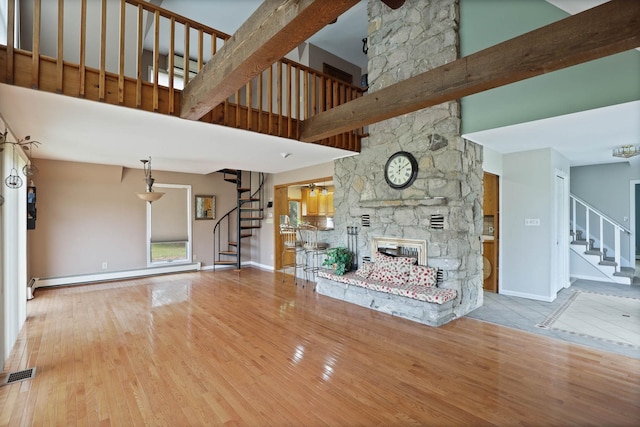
column 525, row 314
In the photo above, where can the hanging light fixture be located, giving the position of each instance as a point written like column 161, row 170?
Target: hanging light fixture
column 312, row 187
column 29, row 169
column 13, row 180
column 626, row 151
column 149, row 195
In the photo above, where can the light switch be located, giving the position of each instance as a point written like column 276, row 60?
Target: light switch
column 532, row 222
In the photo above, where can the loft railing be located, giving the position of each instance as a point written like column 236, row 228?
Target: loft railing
column 601, row 230
column 136, row 54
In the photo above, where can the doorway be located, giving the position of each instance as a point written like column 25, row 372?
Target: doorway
column 282, row 205
column 560, row 248
column 491, row 231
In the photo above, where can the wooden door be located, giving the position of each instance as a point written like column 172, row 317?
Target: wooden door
column 491, row 234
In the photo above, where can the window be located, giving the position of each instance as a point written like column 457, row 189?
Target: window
column 169, row 225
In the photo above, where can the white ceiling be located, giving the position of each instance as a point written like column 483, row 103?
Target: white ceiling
column 93, row 132
column 585, row 138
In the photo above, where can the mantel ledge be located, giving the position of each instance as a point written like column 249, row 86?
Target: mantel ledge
column 427, row 201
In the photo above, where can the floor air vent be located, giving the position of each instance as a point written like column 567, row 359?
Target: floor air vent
column 14, row 377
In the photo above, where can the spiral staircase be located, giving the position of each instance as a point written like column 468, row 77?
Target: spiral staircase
column 240, row 223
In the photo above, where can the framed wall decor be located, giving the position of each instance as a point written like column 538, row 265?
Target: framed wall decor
column 205, row 207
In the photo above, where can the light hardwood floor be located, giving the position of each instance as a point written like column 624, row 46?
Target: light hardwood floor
column 245, row 349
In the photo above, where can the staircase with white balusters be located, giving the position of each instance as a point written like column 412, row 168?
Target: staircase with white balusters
column 602, row 242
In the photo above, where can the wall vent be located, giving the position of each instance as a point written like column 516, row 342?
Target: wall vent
column 436, row 222
column 439, row 277
column 366, row 220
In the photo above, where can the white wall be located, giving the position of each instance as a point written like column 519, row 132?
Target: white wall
column 606, row 188
column 13, row 250
column 527, row 189
column 304, row 174
column 491, row 161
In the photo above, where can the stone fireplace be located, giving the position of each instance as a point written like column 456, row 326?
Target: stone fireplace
column 443, row 207
column 414, row 248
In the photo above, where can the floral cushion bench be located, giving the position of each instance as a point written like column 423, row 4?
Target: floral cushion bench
column 395, row 286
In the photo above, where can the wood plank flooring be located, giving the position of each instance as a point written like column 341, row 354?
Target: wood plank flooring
column 242, row 348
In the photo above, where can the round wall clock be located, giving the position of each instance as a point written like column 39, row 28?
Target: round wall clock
column 401, row 170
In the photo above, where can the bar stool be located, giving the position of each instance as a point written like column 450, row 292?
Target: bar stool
column 291, row 246
column 313, row 250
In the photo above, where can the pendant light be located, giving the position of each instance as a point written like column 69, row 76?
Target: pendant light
column 13, row 180
column 29, row 169
column 149, row 195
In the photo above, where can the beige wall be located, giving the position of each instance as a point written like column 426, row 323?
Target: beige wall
column 89, row 214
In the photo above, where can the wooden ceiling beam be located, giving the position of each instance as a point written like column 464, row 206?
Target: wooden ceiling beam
column 604, row 30
column 393, row 4
column 274, row 30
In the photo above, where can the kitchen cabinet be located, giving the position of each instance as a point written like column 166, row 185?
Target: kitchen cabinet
column 317, row 205
column 309, row 203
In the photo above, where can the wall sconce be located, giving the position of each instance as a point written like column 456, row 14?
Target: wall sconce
column 149, row 195
column 14, row 180
column 626, row 151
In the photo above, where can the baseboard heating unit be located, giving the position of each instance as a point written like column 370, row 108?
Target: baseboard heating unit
column 41, row 282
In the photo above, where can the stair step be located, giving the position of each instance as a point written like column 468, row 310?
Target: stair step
column 244, row 189
column 232, row 180
column 609, row 263
column 246, row 235
column 249, row 227
column 229, row 253
column 248, row 199
column 626, row 272
column 252, row 218
column 232, row 243
column 580, row 242
column 225, row 262
column 252, row 209
column 594, row 251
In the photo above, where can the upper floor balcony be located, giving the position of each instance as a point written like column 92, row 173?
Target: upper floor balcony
column 138, row 55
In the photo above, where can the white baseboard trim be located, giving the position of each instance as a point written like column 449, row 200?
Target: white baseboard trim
column 528, row 296
column 592, row 278
column 261, row 266
column 41, row 282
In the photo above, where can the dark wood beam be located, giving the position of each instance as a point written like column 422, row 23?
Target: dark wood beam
column 274, row 29
column 602, row 31
column 393, row 4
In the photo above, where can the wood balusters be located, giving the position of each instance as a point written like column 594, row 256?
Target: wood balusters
column 136, row 72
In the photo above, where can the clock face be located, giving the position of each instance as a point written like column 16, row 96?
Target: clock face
column 401, row 170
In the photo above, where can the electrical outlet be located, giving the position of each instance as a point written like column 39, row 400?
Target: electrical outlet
column 195, row 257
column 105, row 265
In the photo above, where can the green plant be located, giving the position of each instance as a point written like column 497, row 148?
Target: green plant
column 339, row 258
